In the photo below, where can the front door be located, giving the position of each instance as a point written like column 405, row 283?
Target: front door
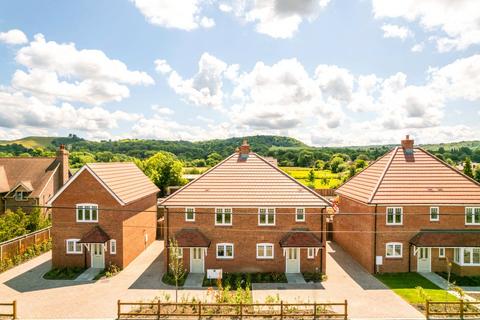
column 424, row 260
column 196, row 260
column 293, row 260
column 98, row 255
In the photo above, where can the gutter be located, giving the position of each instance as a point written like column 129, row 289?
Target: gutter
column 375, row 241
column 166, row 236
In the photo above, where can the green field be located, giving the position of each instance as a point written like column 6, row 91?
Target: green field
column 324, row 179
column 31, row 142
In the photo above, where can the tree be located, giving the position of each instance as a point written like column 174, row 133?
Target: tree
column 164, row 169
column 351, row 171
column 175, row 264
column 213, row 158
column 467, row 167
column 477, row 173
column 311, row 177
column 305, row 158
column 335, row 164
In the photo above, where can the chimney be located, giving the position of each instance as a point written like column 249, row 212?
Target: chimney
column 245, row 147
column 62, row 158
column 407, row 145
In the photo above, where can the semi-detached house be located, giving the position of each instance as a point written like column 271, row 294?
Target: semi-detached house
column 246, row 215
column 410, row 211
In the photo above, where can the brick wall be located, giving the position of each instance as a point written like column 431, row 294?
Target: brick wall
column 245, row 234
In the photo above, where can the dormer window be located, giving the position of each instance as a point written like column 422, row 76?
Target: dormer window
column 20, row 195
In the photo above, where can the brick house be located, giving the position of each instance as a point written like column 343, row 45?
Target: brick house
column 246, row 215
column 106, row 213
column 29, row 182
column 410, row 211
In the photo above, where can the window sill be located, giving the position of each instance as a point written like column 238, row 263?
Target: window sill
column 394, row 224
column 258, row 258
column 223, row 225
column 74, row 253
column 266, row 225
column 220, row 258
column 394, row 258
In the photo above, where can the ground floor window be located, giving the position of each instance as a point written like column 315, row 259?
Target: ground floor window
column 264, row 251
column 441, row 252
column 467, row 256
column 394, row 250
column 73, row 246
column 310, row 253
column 113, row 246
column 225, row 251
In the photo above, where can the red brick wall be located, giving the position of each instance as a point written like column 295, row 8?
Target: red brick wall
column 112, row 217
column 245, row 234
column 352, row 230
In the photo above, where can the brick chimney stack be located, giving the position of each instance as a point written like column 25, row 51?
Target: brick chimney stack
column 62, row 158
column 244, row 148
column 407, row 145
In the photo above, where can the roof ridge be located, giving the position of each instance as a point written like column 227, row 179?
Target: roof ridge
column 293, row 179
column 394, row 153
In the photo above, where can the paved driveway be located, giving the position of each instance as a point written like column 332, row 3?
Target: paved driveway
column 367, row 297
column 46, row 299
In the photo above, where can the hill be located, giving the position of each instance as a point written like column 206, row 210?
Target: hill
column 31, row 142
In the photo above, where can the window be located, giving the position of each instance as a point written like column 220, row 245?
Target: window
column 266, row 216
column 456, row 255
column 394, row 216
column 300, row 215
column 264, row 251
column 310, row 253
column 190, row 214
column 225, row 251
column 441, row 252
column 394, row 250
column 20, row 195
column 113, row 246
column 73, row 246
column 87, row 213
column 434, row 214
column 467, row 256
column 179, row 253
column 223, row 217
column 472, row 215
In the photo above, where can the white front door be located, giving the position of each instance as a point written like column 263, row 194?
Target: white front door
column 292, row 260
column 196, row 260
column 424, row 258
column 98, row 255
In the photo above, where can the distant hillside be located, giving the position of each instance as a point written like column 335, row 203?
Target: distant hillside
column 453, row 145
column 31, row 142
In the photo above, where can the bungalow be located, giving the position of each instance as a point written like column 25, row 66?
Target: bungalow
column 247, row 215
column 410, row 211
column 106, row 213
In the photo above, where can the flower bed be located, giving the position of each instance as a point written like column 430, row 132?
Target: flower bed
column 68, row 273
column 463, row 281
column 245, row 280
column 30, row 253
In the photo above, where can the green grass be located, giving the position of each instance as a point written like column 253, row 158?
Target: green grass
column 170, row 280
column 63, row 273
column 405, row 285
column 31, row 142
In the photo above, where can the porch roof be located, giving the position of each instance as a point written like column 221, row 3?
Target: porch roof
column 95, row 235
column 191, row 238
column 446, row 238
column 300, row 238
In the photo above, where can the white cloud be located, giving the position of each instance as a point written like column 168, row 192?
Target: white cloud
column 395, row 31
column 205, row 87
column 161, row 66
column 457, row 20
column 184, row 14
column 278, row 18
column 62, row 72
column 13, row 36
column 164, row 111
column 418, row 47
column 225, row 7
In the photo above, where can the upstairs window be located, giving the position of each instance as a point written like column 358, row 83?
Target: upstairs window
column 434, row 214
column 300, row 215
column 472, row 216
column 225, row 251
column 190, row 214
column 74, row 247
column 223, row 216
column 266, row 216
column 87, row 212
column 394, row 250
column 394, row 216
column 20, row 195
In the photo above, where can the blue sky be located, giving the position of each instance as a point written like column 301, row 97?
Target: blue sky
column 326, row 72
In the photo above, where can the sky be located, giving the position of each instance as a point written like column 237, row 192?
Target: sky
column 327, row 72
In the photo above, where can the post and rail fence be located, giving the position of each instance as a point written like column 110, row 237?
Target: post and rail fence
column 199, row 310
column 11, row 306
column 462, row 310
column 18, row 245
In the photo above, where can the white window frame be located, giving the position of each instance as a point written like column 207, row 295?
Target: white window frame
column 75, row 243
column 264, row 246
column 394, row 255
column 222, row 211
column 224, row 245
column 474, row 222
column 461, row 260
column 179, row 252
column 441, row 252
column 296, row 215
column 438, row 214
column 187, row 212
column 113, row 246
column 83, row 206
column 22, row 197
column 394, row 223
column 310, row 253
column 267, row 213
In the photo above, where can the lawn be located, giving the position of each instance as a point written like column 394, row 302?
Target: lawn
column 465, row 281
column 405, row 285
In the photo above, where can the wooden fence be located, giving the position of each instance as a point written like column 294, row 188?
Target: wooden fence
column 163, row 310
column 452, row 310
column 11, row 306
column 18, row 245
column 326, row 192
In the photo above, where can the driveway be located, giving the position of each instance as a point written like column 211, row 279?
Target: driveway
column 367, row 297
column 38, row 298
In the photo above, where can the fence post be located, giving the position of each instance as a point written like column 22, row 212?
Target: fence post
column 1, row 253
column 118, row 309
column 314, row 311
column 427, row 311
column 199, row 309
column 14, row 305
column 281, row 309
column 346, row 309
column 241, row 310
column 158, row 310
column 461, row 309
